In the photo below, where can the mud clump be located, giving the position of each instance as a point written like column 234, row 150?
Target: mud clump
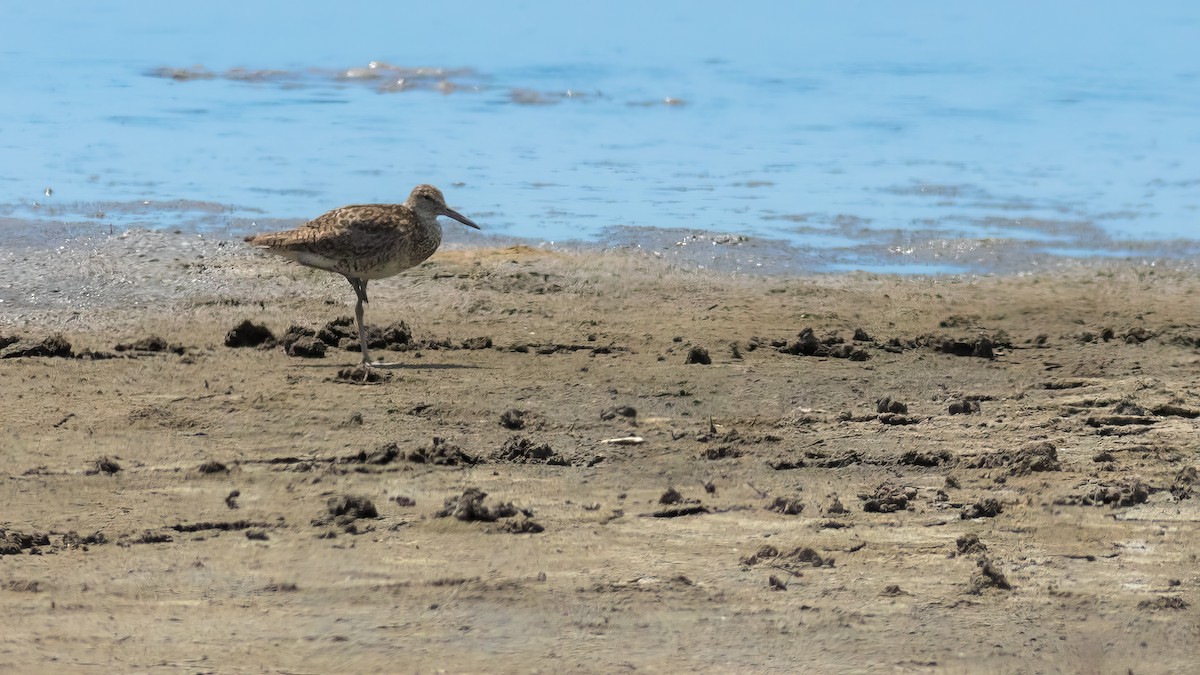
column 294, row 333
column 1169, row 409
column 980, row 347
column 788, row 506
column 835, row 507
column 476, row 343
column 698, row 355
column 765, row 552
column 894, row 419
column 147, row 537
column 342, row 333
column 521, row 450
column 888, row 498
column 442, row 453
column 720, row 452
column 384, row 454
column 988, row 576
column 984, row 508
column 963, row 407
column 1138, row 335
column 677, row 505
column 53, row 346
column 1185, row 480
column 915, row 458
column 801, row 556
column 362, row 374
column 969, row 543
column 831, row 346
column 513, row 419
column 248, row 334
column 692, row 509
column 212, row 466
column 671, row 496
column 626, row 411
column 887, row 405
column 302, row 342
column 13, row 542
column 522, row 526
column 469, row 506
column 1125, row 492
column 152, row 344
column 105, row 465
column 341, row 328
column 345, row 509
column 73, row 539
column 1033, row 457
column 1163, row 602
column 351, row 505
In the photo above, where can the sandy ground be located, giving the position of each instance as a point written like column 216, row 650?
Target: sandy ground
column 204, row 508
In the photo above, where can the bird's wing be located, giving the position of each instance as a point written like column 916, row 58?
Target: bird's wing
column 341, row 236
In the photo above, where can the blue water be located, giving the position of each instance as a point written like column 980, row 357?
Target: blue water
column 918, row 136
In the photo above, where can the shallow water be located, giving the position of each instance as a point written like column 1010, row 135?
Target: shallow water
column 909, row 137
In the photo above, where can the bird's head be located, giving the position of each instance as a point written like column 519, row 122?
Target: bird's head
column 428, row 200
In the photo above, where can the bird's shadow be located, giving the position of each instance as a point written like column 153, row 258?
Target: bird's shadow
column 394, row 366
column 423, row 366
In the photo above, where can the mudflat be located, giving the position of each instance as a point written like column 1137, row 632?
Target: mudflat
column 595, row 462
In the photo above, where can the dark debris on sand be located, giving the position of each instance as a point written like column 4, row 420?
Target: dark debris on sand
column 469, row 506
column 1030, row 458
column 352, row 505
column 53, row 346
column 969, row 543
column 888, row 498
column 248, row 334
column 343, row 510
column 302, row 342
column 362, row 374
column 1128, row 491
column 13, row 542
column 988, row 576
column 801, row 556
column 788, row 506
column 212, row 466
column 984, row 508
column 521, row 450
column 807, row 343
column 106, row 465
column 513, row 419
column 152, row 344
column 442, row 453
column 342, row 333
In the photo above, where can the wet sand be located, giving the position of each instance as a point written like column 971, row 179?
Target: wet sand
column 942, row 475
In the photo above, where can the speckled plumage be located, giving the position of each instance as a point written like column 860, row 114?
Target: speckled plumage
column 367, row 241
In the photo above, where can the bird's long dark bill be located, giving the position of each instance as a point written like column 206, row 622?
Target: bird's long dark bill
column 459, row 217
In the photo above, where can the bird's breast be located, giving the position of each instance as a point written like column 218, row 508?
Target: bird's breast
column 404, row 253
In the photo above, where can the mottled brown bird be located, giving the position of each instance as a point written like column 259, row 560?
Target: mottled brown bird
column 367, row 241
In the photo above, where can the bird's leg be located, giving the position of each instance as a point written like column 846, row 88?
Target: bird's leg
column 360, row 289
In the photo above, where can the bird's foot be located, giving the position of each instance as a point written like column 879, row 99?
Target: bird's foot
column 363, row 373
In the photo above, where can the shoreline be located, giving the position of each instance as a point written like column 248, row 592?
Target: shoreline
column 83, row 264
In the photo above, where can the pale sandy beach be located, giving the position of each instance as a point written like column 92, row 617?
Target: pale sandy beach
column 947, row 474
